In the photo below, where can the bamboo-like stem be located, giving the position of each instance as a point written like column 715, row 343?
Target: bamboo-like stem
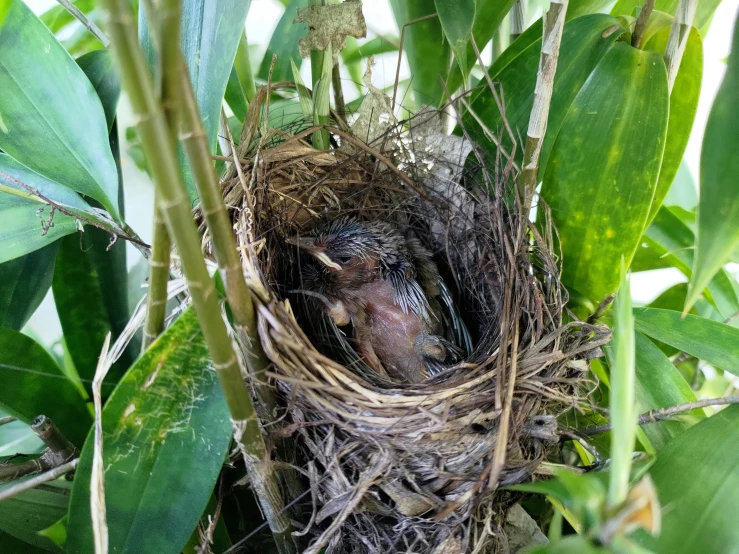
column 339, row 104
column 653, row 416
column 242, row 65
column 174, row 203
column 195, row 141
column 156, row 299
column 553, row 25
column 517, row 19
column 678, row 39
column 34, row 482
column 166, row 21
column 641, row 23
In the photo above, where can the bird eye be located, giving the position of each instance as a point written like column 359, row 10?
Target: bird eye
column 344, row 260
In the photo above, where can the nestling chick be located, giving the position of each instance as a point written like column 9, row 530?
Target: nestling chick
column 385, row 285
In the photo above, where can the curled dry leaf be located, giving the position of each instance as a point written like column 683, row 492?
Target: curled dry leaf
column 331, row 25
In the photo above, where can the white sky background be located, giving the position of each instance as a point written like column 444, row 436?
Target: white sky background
column 261, row 21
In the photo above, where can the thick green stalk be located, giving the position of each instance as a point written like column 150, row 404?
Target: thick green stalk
column 242, row 65
column 162, row 158
column 168, row 34
column 316, row 56
column 156, row 300
column 195, row 141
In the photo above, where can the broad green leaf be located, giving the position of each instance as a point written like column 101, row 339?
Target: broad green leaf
column 697, row 476
column 23, row 516
column 52, row 120
column 718, row 208
column 98, row 66
column 24, row 282
column 22, row 223
column 673, row 240
column 8, row 543
column 489, row 15
column 56, row 533
column 210, row 32
column 456, row 17
column 683, row 104
column 425, row 47
column 708, row 340
column 584, row 42
column 660, row 385
column 683, row 192
column 235, row 98
column 284, row 44
column 621, row 359
column 166, row 431
column 570, row 544
column 703, row 12
column 33, row 384
column 603, row 169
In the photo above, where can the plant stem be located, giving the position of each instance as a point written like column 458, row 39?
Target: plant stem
column 86, row 23
column 653, row 416
column 242, row 64
column 339, row 103
column 156, row 300
column 641, row 23
column 34, row 482
column 517, row 19
column 678, row 39
column 174, row 203
column 553, row 25
column 316, row 56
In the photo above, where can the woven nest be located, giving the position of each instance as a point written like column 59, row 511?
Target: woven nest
column 393, row 467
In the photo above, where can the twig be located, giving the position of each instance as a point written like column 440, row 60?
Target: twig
column 82, row 18
column 400, row 50
column 601, row 307
column 7, row 419
column 678, row 39
column 653, row 416
column 641, row 23
column 338, row 91
column 142, row 246
column 553, row 25
column 34, row 482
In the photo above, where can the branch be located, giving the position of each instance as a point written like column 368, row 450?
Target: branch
column 641, row 23
column 34, row 482
column 156, row 299
column 653, row 416
column 7, row 419
column 678, row 39
column 89, row 25
column 553, row 25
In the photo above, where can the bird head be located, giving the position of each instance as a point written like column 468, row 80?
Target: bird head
column 347, row 249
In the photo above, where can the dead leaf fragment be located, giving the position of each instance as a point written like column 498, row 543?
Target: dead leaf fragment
column 331, row 24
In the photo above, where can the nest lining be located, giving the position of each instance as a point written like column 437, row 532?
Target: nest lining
column 391, row 466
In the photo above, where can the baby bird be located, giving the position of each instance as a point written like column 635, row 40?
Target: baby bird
column 386, row 286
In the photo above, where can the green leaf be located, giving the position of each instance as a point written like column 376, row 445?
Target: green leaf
column 52, row 120
column 284, row 43
column 683, row 105
column 708, row 340
column 489, row 15
column 166, row 432
column 578, row 8
column 584, row 42
column 58, row 17
column 697, row 476
column 23, row 516
column 235, row 97
column 57, row 533
column 21, row 223
column 660, row 385
column 355, row 52
column 456, row 17
column 718, row 209
column 427, row 51
column 33, row 384
column 17, row 438
column 570, row 544
column 91, row 295
column 703, row 12
column 98, row 66
column 24, row 282
column 621, row 359
column 8, row 543
column 209, row 35
column 683, row 192
column 603, row 169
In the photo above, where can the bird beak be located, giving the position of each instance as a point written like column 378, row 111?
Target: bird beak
column 309, row 245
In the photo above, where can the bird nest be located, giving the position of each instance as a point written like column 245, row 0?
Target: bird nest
column 394, row 466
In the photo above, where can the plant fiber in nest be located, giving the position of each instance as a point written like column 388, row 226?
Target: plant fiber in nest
column 393, row 467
